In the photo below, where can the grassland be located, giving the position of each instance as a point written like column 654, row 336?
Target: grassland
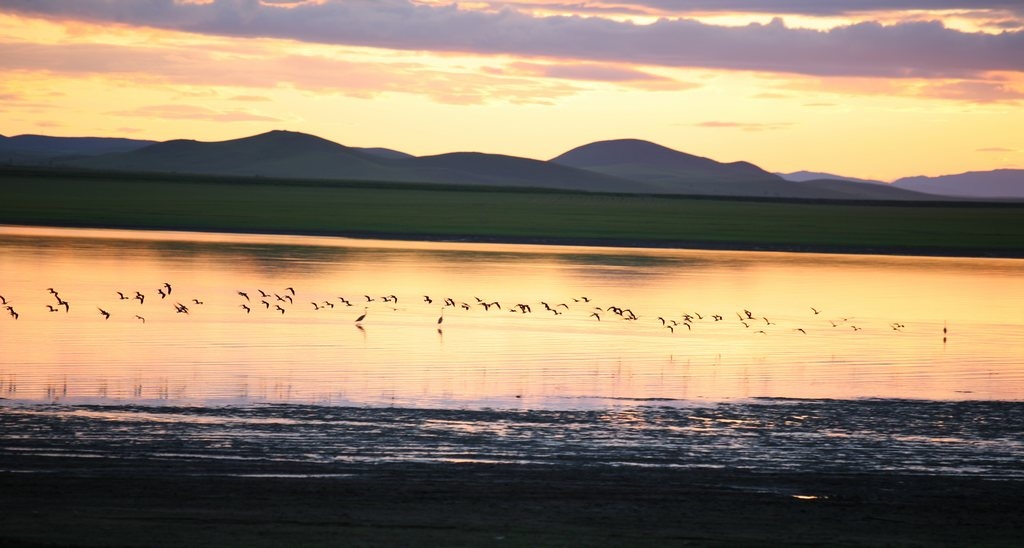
column 175, row 202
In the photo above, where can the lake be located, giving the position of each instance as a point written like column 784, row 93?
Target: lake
column 619, row 355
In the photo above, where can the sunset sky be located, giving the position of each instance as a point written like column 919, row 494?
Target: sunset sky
column 865, row 88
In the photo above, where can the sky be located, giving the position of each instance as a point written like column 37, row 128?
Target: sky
column 876, row 89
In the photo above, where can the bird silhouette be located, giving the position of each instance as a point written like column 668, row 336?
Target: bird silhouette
column 168, row 286
column 246, row 295
column 104, row 313
column 246, row 307
column 140, row 318
column 362, row 316
column 440, row 318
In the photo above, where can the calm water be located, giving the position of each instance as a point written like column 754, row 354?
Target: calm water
column 755, row 339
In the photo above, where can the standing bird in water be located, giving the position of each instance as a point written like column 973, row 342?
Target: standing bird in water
column 441, row 318
column 361, row 316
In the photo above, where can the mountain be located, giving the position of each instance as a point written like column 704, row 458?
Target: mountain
column 287, row 154
column 501, row 170
column 624, row 166
column 644, row 160
column 385, row 153
column 804, row 176
column 272, row 154
column 681, row 173
column 999, row 183
column 28, row 149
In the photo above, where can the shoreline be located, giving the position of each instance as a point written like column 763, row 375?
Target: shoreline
column 752, row 246
column 168, row 503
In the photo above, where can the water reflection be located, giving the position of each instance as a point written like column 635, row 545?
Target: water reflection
column 708, row 325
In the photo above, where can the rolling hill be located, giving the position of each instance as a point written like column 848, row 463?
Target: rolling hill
column 1000, row 183
column 33, row 149
column 622, row 166
column 681, row 173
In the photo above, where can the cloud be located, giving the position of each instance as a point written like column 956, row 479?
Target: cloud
column 249, row 98
column 270, row 67
column 745, row 126
column 995, row 149
column 975, row 91
column 912, row 49
column 594, row 72
column 818, row 8
column 191, row 112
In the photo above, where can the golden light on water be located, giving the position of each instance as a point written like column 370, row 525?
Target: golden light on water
column 877, row 333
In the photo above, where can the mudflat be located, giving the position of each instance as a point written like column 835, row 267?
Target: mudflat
column 174, row 503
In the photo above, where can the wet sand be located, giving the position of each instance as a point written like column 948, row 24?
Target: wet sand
column 172, row 503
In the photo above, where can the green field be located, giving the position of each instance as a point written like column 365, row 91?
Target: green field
column 58, row 198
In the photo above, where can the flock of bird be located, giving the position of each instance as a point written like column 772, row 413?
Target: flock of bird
column 282, row 301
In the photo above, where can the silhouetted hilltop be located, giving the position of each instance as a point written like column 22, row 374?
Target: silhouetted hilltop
column 804, row 176
column 681, row 173
column 999, row 183
column 34, row 149
column 272, row 154
column 623, row 165
column 497, row 169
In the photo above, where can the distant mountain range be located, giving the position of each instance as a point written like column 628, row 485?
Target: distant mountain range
column 624, row 165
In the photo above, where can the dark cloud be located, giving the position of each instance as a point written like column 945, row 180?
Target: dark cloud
column 918, row 49
column 817, row 7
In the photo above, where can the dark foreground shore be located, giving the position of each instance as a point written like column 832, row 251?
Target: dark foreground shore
column 153, row 503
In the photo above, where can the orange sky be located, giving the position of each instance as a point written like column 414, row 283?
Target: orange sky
column 910, row 87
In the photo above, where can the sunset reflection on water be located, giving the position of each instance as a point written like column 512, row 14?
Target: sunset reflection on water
column 879, row 332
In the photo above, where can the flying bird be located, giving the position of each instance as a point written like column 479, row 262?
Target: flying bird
column 246, row 295
column 104, row 313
